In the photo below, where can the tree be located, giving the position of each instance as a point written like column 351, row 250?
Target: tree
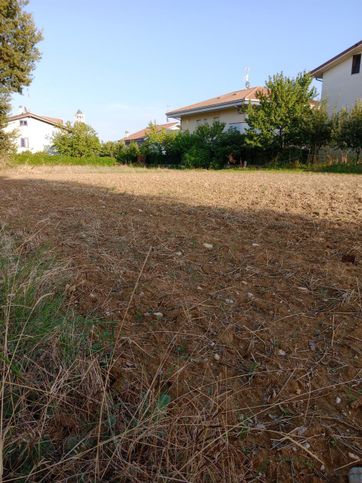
column 275, row 123
column 110, row 148
column 316, row 131
column 18, row 39
column 78, row 141
column 348, row 129
column 18, row 56
column 161, row 146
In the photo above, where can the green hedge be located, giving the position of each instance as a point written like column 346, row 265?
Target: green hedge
column 44, row 159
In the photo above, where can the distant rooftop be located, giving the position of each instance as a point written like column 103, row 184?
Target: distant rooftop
column 230, row 99
column 140, row 135
column 49, row 120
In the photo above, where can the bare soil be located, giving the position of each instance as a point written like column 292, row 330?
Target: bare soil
column 248, row 282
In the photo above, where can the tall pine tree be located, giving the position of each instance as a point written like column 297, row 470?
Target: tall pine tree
column 18, row 56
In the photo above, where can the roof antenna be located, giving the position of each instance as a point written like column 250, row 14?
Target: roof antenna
column 246, row 72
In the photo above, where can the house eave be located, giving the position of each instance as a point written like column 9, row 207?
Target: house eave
column 337, row 59
column 216, row 107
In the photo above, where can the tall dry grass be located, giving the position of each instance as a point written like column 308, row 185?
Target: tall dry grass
column 69, row 411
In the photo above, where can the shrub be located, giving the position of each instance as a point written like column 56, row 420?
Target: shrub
column 46, row 159
column 348, row 129
column 78, row 141
column 128, row 153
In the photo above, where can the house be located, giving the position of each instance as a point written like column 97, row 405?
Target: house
column 33, row 132
column 140, row 136
column 226, row 108
column 342, row 79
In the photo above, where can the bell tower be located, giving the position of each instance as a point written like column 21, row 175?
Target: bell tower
column 79, row 117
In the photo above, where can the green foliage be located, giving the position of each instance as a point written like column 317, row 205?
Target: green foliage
column 128, row 153
column 316, row 130
column 275, row 123
column 6, row 138
column 341, row 168
column 111, row 149
column 348, row 129
column 18, row 56
column 78, row 141
column 160, row 146
column 18, row 51
column 46, row 159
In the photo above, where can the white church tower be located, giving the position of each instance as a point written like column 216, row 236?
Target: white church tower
column 79, row 117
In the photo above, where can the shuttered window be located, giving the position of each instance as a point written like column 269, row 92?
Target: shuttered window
column 356, row 64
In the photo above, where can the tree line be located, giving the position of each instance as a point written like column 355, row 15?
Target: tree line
column 287, row 124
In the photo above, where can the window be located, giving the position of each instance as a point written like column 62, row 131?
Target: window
column 238, row 126
column 24, row 142
column 23, row 123
column 356, row 64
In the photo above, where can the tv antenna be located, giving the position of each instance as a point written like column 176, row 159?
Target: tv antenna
column 246, row 72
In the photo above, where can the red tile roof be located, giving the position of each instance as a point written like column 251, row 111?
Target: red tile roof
column 139, row 135
column 49, row 120
column 318, row 71
column 226, row 100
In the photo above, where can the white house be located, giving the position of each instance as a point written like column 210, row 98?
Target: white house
column 33, row 132
column 226, row 108
column 342, row 79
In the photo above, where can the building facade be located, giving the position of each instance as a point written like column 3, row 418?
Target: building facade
column 342, row 79
column 227, row 108
column 33, row 132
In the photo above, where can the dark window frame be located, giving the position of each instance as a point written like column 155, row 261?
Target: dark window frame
column 356, row 64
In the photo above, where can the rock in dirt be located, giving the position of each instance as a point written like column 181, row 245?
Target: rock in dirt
column 349, row 258
column 355, row 475
column 209, row 246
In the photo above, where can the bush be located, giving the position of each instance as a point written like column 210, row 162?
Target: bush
column 348, row 129
column 45, row 159
column 78, row 141
column 128, row 153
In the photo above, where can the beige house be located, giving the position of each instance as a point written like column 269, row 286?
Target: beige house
column 342, row 79
column 227, row 108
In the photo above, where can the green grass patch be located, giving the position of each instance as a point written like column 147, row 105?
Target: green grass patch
column 45, row 159
column 340, row 168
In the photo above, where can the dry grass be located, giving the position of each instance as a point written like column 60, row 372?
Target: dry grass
column 142, row 354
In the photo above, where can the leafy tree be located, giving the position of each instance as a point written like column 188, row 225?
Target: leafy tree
column 79, row 141
column 18, row 56
column 162, row 146
column 111, row 148
column 275, row 123
column 348, row 129
column 316, row 130
column 6, row 138
column 128, row 153
column 206, row 142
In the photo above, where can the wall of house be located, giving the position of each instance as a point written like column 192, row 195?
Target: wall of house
column 341, row 88
column 230, row 116
column 37, row 133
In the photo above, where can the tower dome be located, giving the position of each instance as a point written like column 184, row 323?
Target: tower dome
column 79, row 116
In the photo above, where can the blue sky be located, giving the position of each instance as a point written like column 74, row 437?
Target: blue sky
column 124, row 63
